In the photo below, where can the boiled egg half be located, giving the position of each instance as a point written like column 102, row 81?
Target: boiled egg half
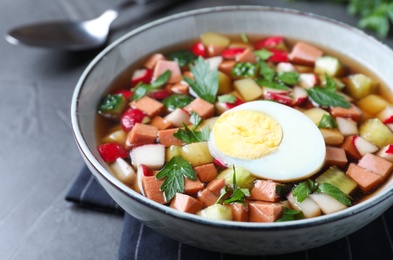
column 271, row 140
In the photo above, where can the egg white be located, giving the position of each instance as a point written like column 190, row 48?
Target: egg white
column 300, row 154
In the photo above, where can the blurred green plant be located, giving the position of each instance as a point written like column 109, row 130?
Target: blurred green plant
column 375, row 15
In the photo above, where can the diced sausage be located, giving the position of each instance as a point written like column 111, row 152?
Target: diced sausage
column 304, row 53
column 246, row 56
column 335, row 156
column 149, row 105
column 213, row 50
column 239, row 212
column 178, row 88
column 141, row 134
column 167, row 138
column 216, row 185
column 161, row 123
column 226, row 66
column 376, row 164
column 366, row 179
column 353, row 112
column 151, row 187
column 261, row 211
column 207, row 197
column 186, row 203
column 152, row 61
column 265, row 190
column 192, row 187
column 206, row 172
column 350, row 148
column 164, row 65
column 203, row 108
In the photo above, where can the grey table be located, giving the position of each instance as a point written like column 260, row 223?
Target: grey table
column 38, row 155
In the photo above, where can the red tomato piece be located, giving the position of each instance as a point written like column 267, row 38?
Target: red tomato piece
column 269, row 42
column 231, row 53
column 278, row 56
column 126, row 93
column 109, row 152
column 199, row 49
column 132, row 116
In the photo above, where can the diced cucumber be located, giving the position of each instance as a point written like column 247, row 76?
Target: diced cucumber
column 329, row 65
column 336, row 177
column 244, row 179
column 216, row 211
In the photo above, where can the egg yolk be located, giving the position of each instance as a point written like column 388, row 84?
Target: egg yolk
column 247, row 134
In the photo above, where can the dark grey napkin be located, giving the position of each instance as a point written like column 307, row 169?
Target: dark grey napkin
column 138, row 242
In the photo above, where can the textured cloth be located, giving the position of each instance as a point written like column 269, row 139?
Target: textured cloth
column 139, row 242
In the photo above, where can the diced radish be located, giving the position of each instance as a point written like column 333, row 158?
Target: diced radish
column 278, row 56
column 123, row 171
column 160, row 94
column 270, row 42
column 126, row 93
column 235, row 104
column 386, row 115
column 386, row 152
column 308, row 206
column 146, row 170
column 132, row 116
column 347, row 126
column 280, row 98
column 142, row 170
column 151, row 155
column 178, row 117
column 327, row 203
column 199, row 49
column 299, row 96
column 307, row 80
column 214, row 62
column 109, row 152
column 363, row 146
column 219, row 163
column 231, row 53
column 268, row 91
column 285, row 67
column 141, row 75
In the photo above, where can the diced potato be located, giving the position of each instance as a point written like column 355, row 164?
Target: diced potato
column 315, row 114
column 172, row 151
column 374, row 131
column 215, row 39
column 332, row 136
column 116, row 134
column 372, row 104
column 197, row 153
column 216, row 211
column 248, row 89
column 360, row 85
column 329, row 65
column 224, row 83
column 244, row 178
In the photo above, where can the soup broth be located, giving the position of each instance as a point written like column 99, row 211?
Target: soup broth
column 155, row 122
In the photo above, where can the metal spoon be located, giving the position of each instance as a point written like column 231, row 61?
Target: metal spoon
column 63, row 35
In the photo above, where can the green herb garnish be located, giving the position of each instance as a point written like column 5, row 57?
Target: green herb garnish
column 175, row 171
column 327, row 121
column 227, row 98
column 111, row 103
column 290, row 214
column 288, row 77
column 335, row 192
column 244, row 38
column 142, row 89
column 266, row 71
column 188, row 135
column 205, row 83
column 244, row 69
column 271, row 84
column 326, row 97
column 303, row 189
column 182, row 57
column 177, row 101
column 263, row 54
column 238, row 194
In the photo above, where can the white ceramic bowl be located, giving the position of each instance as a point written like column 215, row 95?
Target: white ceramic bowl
column 225, row 236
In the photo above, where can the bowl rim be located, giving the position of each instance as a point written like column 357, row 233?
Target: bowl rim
column 119, row 186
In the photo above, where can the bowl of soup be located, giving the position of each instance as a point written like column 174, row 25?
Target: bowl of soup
column 242, row 129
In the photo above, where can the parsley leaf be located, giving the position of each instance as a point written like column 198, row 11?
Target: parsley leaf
column 238, row 194
column 182, row 57
column 335, row 192
column 266, row 71
column 326, row 97
column 288, row 77
column 263, row 54
column 290, row 214
column 327, row 121
column 174, row 172
column 188, row 135
column 205, row 83
column 142, row 89
column 177, row 101
column 303, row 189
column 271, row 84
